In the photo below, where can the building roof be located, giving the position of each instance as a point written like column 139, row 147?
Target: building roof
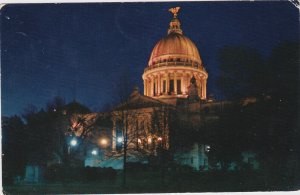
column 136, row 100
column 175, row 46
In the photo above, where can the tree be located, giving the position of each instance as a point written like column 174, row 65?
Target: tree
column 13, row 145
column 142, row 121
column 46, row 131
column 62, row 127
column 242, row 71
column 268, row 125
column 226, row 138
column 282, row 77
column 283, row 132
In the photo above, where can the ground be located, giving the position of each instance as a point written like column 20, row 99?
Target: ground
column 158, row 182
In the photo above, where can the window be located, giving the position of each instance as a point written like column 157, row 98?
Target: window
column 179, row 86
column 154, row 88
column 164, row 86
column 171, row 86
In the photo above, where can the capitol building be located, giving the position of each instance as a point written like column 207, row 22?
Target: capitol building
column 175, row 83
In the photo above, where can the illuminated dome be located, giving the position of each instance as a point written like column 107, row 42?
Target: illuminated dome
column 173, row 62
column 175, row 47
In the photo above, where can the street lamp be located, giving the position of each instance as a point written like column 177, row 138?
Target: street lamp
column 103, row 142
column 94, row 152
column 73, row 142
column 120, row 139
column 207, row 148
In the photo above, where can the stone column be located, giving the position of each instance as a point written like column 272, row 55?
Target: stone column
column 145, row 83
column 167, row 83
column 158, row 84
column 154, row 83
column 175, row 83
column 151, row 88
column 204, row 89
column 183, row 85
column 199, row 87
column 148, row 87
column 162, row 82
column 187, row 82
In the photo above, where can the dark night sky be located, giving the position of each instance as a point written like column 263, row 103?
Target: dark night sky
column 81, row 51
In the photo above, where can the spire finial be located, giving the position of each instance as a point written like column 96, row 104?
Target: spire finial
column 175, row 23
column 174, row 11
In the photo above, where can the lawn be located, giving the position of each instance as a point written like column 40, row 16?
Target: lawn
column 157, row 182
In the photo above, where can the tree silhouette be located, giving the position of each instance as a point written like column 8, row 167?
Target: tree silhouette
column 242, row 72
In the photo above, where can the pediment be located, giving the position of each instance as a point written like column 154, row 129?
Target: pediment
column 140, row 101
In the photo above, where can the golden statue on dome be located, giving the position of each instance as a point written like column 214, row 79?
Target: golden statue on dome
column 174, row 11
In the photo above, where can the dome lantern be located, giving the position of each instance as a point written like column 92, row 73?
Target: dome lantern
column 175, row 23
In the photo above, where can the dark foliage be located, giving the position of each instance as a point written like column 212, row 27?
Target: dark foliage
column 35, row 141
column 242, row 72
column 13, row 135
column 269, row 126
column 76, row 108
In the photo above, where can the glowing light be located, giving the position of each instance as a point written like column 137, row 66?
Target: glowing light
column 73, row 142
column 94, row 152
column 120, row 139
column 207, row 148
column 103, row 142
column 139, row 141
column 159, row 139
column 149, row 140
